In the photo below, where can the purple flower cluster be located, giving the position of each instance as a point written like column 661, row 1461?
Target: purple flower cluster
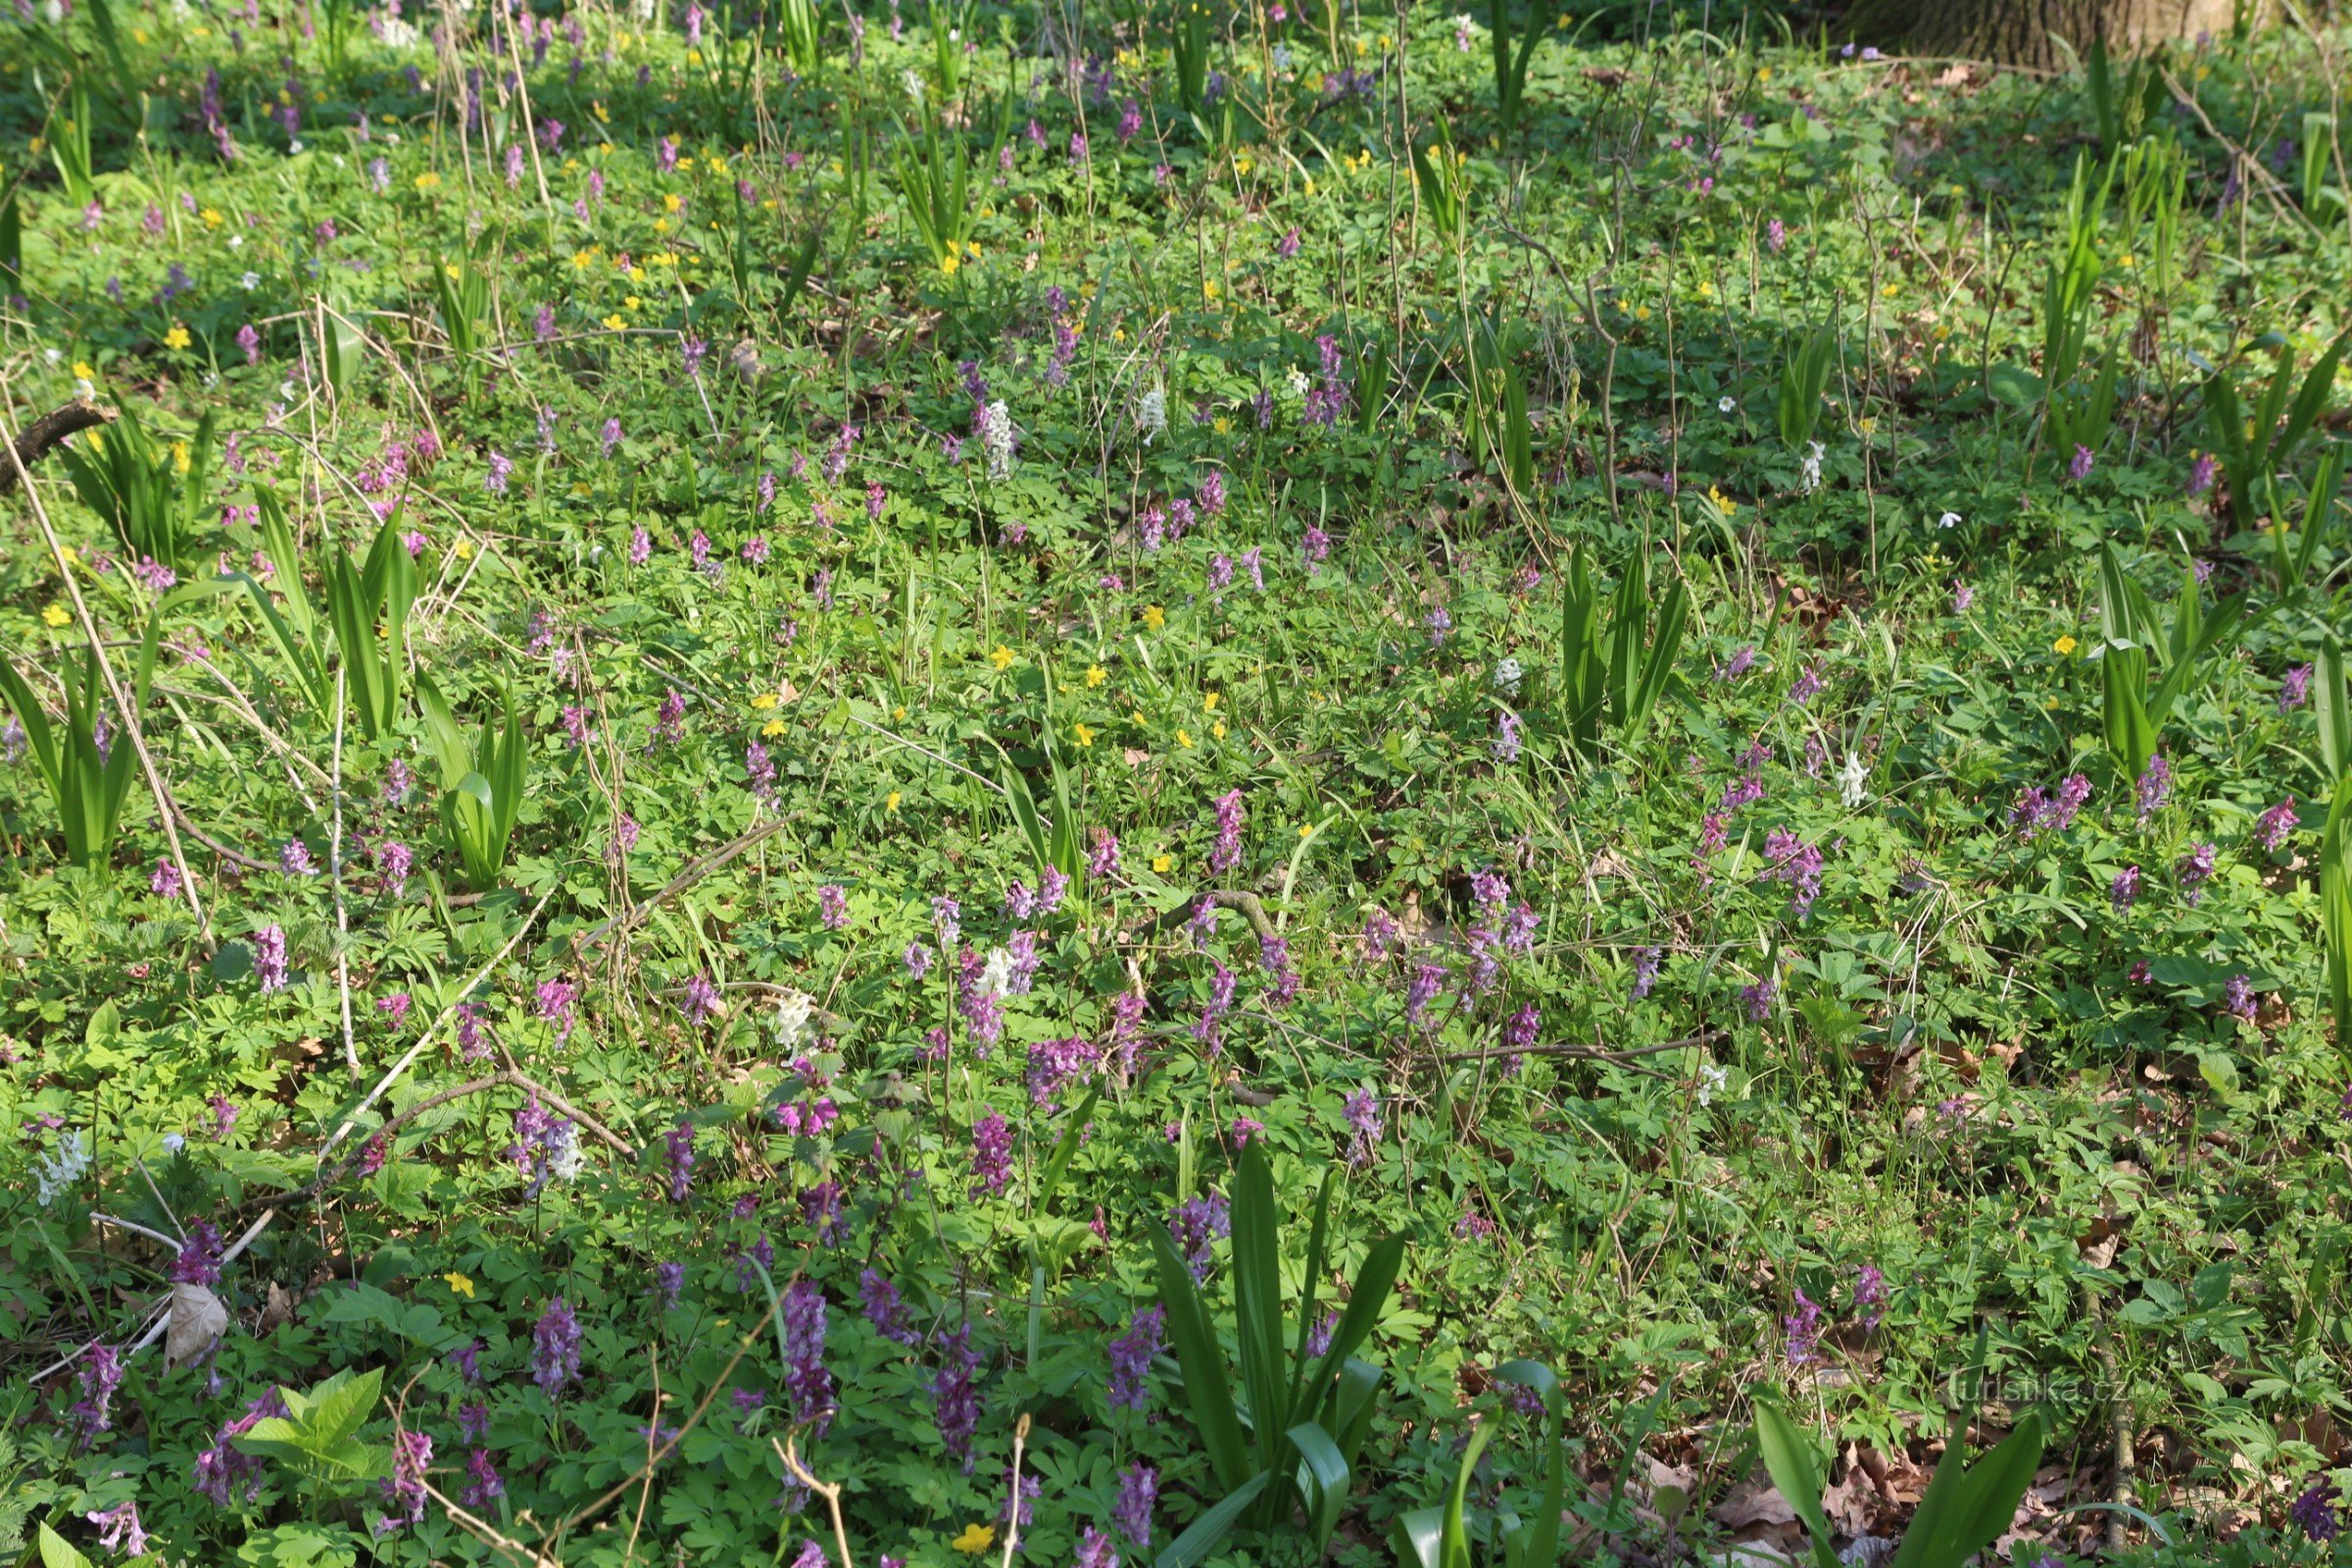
column 2036, row 812
column 1131, row 1356
column 556, row 1349
column 1797, row 863
column 956, row 1397
column 1055, row 1064
column 884, row 1309
column 1227, row 851
column 1198, row 1223
column 223, row 1469
column 991, row 1154
column 806, row 1380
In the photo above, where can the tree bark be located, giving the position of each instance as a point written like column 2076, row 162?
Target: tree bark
column 2023, row 33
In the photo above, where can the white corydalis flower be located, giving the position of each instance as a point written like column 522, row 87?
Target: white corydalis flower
column 995, row 438
column 1812, row 465
column 56, row 1173
column 793, row 1016
column 1850, row 778
column 1151, row 414
column 995, row 975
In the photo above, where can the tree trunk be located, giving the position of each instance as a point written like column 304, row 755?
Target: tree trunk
column 2021, row 31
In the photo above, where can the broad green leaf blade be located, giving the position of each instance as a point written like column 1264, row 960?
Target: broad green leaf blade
column 1207, row 1385
column 1206, row 1533
column 1324, row 1477
column 1258, row 1301
column 1789, row 1459
column 1416, row 1537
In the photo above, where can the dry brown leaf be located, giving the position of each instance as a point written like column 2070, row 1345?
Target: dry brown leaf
column 1754, row 1501
column 198, row 1320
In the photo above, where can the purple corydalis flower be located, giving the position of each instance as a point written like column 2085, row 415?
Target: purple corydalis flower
column 1196, row 1225
column 556, row 1349
column 2124, row 888
column 833, row 906
column 119, row 1530
column 403, row 1488
column 991, row 1154
column 679, row 1160
column 1428, row 980
column 1803, row 1327
column 2314, row 1512
column 2294, row 689
column 1138, row 1491
column 1131, row 1356
column 1757, row 999
column 1869, row 1295
column 1227, row 852
column 956, row 1398
column 806, row 1379
column 1646, row 971
column 885, row 1309
column 2155, row 787
column 2273, row 825
column 199, row 1259
column 669, row 1282
column 2237, row 994
column 2194, row 871
column 2078, row 466
column 270, row 957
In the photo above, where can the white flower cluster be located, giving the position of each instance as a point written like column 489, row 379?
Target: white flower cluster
column 1812, row 467
column 793, row 1018
column 1151, row 414
column 1507, row 675
column 995, row 438
column 58, row 1172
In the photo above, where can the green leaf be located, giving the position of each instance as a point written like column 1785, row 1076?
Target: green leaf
column 1206, row 1533
column 1207, row 1387
column 59, row 1552
column 1324, row 1477
column 1789, row 1459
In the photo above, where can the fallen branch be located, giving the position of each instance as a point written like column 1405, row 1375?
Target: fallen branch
column 507, row 1078
column 1248, row 904
column 693, row 874
column 52, row 429
column 1589, row 1053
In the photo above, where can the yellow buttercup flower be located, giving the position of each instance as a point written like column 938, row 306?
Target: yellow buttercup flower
column 1184, row 738
column 180, row 456
column 1001, row 657
column 428, row 180
column 1160, row 865
column 460, row 1285
column 1084, row 734
column 775, row 726
column 81, row 368
column 1095, row 676
column 764, row 700
column 615, row 322
column 670, row 202
column 211, row 217
column 1217, row 730
column 1154, row 617
column 949, row 262
column 55, row 616
column 1208, row 703
column 464, row 548
column 176, row 338
column 891, row 804
column 2064, row 647
column 976, row 1539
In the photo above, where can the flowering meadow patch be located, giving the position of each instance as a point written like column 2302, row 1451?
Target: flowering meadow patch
column 829, row 785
